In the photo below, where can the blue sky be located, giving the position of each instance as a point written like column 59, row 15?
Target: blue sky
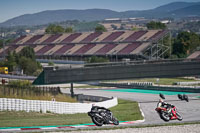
column 13, row 8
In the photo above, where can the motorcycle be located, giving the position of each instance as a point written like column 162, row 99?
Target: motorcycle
column 102, row 116
column 169, row 113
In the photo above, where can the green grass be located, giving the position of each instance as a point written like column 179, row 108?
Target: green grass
column 124, row 111
column 127, row 111
column 162, row 81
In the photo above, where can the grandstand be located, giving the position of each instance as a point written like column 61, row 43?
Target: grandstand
column 194, row 55
column 77, row 46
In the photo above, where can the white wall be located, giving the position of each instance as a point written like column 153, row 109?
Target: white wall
column 52, row 106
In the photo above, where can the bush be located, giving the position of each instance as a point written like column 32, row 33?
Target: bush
column 95, row 59
column 20, row 83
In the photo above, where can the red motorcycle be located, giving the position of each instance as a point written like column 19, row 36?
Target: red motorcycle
column 169, row 112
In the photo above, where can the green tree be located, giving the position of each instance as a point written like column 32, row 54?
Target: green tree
column 185, row 44
column 155, row 25
column 100, row 28
column 95, row 59
column 1, row 43
column 50, row 63
column 29, row 66
column 54, row 29
column 27, row 52
column 10, row 61
column 69, row 30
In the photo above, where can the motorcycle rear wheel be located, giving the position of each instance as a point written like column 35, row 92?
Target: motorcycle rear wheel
column 165, row 116
column 97, row 121
column 179, row 117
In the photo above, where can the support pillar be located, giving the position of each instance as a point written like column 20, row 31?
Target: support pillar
column 72, row 90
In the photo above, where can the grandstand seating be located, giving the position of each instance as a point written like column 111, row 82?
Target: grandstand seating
column 33, row 39
column 74, row 49
column 80, row 38
column 135, row 36
column 97, row 43
column 51, row 38
column 71, row 38
column 158, row 35
column 18, row 40
column 63, row 49
column 117, row 48
column 129, row 48
column 112, row 36
column 8, row 49
column 19, row 48
column 194, row 55
column 140, row 48
column 24, row 39
column 84, row 49
column 44, row 49
column 94, row 49
column 53, row 50
column 105, row 49
column 91, row 37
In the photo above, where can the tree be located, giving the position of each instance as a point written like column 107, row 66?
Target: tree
column 29, row 66
column 100, row 28
column 1, row 43
column 69, row 30
column 24, row 60
column 10, row 61
column 185, row 43
column 95, row 59
column 54, row 29
column 50, row 63
column 155, row 25
column 27, row 52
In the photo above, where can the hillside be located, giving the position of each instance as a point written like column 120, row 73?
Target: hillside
column 174, row 10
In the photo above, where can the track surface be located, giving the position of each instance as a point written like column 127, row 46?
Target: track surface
column 148, row 102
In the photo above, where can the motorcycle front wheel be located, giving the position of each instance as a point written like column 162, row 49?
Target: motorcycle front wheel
column 97, row 121
column 179, row 117
column 165, row 116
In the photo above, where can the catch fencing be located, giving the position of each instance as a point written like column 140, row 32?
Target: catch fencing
column 9, row 104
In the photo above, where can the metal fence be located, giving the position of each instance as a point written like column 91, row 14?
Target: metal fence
column 28, row 91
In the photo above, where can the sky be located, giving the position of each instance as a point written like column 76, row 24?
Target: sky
column 14, row 8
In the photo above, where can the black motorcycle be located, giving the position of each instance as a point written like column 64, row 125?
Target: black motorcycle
column 101, row 115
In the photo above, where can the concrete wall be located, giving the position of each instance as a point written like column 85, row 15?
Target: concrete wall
column 9, row 104
column 126, row 71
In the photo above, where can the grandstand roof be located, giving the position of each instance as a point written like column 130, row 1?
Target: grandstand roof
column 89, row 43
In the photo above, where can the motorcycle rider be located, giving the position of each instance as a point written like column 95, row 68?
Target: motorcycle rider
column 102, row 110
column 161, row 105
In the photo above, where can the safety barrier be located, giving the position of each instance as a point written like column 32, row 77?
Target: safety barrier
column 132, row 83
column 187, row 83
column 10, row 104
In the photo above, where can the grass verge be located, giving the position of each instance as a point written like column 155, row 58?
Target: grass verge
column 124, row 111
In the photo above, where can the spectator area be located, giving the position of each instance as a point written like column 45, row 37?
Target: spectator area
column 94, row 43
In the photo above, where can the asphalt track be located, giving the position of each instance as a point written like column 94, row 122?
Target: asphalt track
column 148, row 101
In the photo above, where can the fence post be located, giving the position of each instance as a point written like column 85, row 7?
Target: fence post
column 13, row 89
column 72, row 90
column 9, row 91
column 43, row 91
